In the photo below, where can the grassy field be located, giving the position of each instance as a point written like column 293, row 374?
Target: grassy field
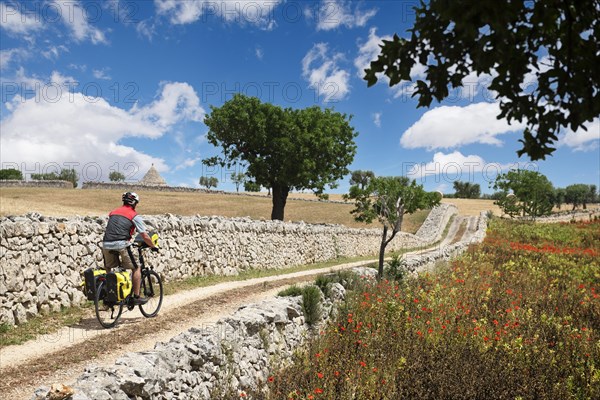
column 513, row 318
column 473, row 207
column 61, row 202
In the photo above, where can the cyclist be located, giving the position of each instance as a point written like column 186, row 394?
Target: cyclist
column 116, row 245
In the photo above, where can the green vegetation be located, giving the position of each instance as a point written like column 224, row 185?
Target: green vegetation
column 69, row 175
column 43, row 324
column 11, row 173
column 291, row 291
column 208, row 182
column 462, row 38
column 516, row 317
column 238, row 178
column 311, row 304
column 466, row 190
column 388, row 199
column 524, row 192
column 580, row 194
column 284, row 149
column 116, row 176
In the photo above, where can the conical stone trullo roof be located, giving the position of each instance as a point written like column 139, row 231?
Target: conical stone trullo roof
column 153, row 178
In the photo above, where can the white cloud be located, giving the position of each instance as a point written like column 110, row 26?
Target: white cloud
column 146, row 28
column 369, row 51
column 323, row 74
column 89, row 131
column 377, row 119
column 187, row 163
column 583, row 140
column 53, row 52
column 74, row 16
column 452, row 126
column 178, row 102
column 335, row 13
column 259, row 52
column 9, row 56
column 101, row 73
column 17, row 23
column 62, row 80
column 242, row 12
column 453, row 165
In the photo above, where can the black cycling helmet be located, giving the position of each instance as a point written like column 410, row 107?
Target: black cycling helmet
column 131, row 198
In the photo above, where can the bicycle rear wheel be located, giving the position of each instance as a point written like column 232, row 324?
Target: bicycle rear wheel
column 152, row 289
column 108, row 313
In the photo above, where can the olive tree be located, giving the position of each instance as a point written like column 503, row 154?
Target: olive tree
column 208, row 181
column 526, row 192
column 285, row 149
column 554, row 42
column 116, row 176
column 388, row 199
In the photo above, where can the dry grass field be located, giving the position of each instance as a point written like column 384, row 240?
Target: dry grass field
column 472, row 207
column 62, row 202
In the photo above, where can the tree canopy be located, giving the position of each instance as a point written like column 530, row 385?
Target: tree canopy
column 208, row 181
column 580, row 194
column 466, row 190
column 69, row 175
column 557, row 42
column 388, row 199
column 11, row 173
column 525, row 192
column 116, row 176
column 284, row 149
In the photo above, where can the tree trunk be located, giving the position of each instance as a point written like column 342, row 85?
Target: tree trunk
column 382, row 251
column 280, row 194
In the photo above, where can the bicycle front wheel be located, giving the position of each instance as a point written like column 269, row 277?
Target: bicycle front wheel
column 152, row 289
column 108, row 313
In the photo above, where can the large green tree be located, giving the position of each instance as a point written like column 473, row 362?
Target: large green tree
column 285, row 149
column 11, row 173
column 388, row 199
column 580, row 194
column 208, row 181
column 556, row 41
column 525, row 192
column 466, row 190
column 116, row 176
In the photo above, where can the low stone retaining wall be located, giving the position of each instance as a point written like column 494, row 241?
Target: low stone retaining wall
column 416, row 263
column 41, row 258
column 135, row 187
column 237, row 353
column 566, row 216
column 37, row 184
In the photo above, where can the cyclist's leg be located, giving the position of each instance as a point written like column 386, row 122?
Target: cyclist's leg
column 127, row 262
column 111, row 259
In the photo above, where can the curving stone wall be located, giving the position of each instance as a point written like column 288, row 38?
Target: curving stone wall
column 41, row 258
column 237, row 353
column 418, row 262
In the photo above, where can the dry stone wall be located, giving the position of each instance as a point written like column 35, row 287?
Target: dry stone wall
column 237, row 353
column 41, row 258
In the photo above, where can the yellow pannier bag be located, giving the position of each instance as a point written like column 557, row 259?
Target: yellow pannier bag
column 118, row 285
column 89, row 281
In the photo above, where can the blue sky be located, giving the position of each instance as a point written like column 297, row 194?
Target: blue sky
column 121, row 85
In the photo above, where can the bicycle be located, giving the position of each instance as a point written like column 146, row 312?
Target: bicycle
column 108, row 312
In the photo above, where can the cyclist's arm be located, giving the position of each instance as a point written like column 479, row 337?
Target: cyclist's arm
column 141, row 229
